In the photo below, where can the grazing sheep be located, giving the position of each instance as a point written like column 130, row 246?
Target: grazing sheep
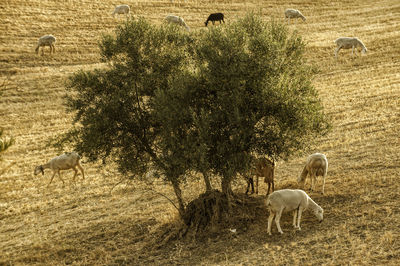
column 176, row 20
column 349, row 42
column 46, row 40
column 215, row 17
column 121, row 9
column 65, row 161
column 316, row 165
column 287, row 200
column 293, row 13
column 263, row 168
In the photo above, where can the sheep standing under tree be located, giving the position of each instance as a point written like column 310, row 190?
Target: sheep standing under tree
column 63, row 162
column 293, row 13
column 263, row 168
column 287, row 200
column 349, row 42
column 316, row 165
column 46, row 40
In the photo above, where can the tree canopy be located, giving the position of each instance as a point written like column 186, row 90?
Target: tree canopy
column 205, row 101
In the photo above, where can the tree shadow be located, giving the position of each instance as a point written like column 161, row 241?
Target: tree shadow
column 144, row 240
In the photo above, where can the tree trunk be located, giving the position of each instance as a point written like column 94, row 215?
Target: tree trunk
column 227, row 190
column 207, row 181
column 178, row 193
column 226, row 186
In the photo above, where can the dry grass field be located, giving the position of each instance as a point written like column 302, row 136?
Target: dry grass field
column 94, row 222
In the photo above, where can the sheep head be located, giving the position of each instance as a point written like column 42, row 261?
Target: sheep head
column 319, row 213
column 39, row 169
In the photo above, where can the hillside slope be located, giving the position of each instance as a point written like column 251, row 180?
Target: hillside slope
column 98, row 221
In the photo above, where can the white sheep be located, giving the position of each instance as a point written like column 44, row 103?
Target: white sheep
column 46, row 40
column 65, row 161
column 287, row 200
column 263, row 168
column 316, row 165
column 121, row 9
column 176, row 20
column 293, row 13
column 349, row 42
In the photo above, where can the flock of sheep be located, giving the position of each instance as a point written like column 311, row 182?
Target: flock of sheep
column 342, row 42
column 285, row 200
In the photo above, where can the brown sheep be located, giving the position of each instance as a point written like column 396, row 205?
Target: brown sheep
column 263, row 168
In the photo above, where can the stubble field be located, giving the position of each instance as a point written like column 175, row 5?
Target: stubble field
column 98, row 221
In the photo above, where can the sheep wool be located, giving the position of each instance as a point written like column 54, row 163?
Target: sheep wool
column 287, row 200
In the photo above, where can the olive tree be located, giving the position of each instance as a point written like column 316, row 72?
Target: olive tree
column 131, row 110
column 205, row 101
column 255, row 95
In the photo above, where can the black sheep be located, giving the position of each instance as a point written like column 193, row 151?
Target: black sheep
column 215, row 17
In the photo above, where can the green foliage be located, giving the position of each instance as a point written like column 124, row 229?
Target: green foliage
column 257, row 95
column 204, row 101
column 118, row 108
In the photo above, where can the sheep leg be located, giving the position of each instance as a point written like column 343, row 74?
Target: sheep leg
column 277, row 221
column 81, row 169
column 257, row 184
column 294, row 218
column 323, row 185
column 315, row 182
column 337, row 50
column 51, row 180
column 250, row 182
column 270, row 218
column 312, row 182
column 59, row 175
column 75, row 173
column 269, row 185
column 273, row 186
column 299, row 218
